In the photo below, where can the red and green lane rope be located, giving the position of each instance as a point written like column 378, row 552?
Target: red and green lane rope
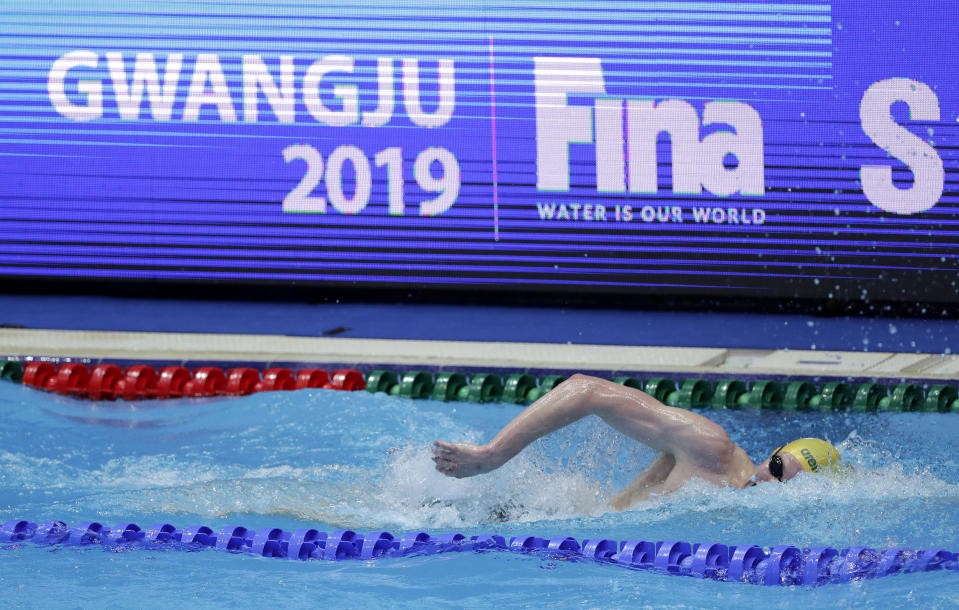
column 138, row 382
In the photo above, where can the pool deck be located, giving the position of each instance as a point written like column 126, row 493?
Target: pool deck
column 469, row 337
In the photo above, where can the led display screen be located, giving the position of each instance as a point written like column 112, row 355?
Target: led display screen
column 747, row 148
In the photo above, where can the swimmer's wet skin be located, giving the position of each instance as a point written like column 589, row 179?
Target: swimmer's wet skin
column 690, row 445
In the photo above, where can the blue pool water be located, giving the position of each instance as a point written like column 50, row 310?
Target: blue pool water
column 359, row 461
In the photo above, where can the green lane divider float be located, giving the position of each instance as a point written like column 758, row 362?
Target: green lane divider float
column 414, row 384
column 448, row 386
column 519, row 387
column 659, row 388
column 942, row 398
column 798, row 395
column 868, row 396
column 11, row 370
column 727, row 394
column 833, row 396
column 381, row 381
column 483, row 387
column 904, row 397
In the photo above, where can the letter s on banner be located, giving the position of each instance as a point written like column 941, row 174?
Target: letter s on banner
column 920, row 156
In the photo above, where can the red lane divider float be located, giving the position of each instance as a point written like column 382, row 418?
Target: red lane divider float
column 139, row 382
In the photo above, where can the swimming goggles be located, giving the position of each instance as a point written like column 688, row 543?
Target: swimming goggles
column 776, row 464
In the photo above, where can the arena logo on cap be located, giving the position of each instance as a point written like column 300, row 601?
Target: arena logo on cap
column 813, row 464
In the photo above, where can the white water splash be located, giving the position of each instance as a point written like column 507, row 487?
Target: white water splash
column 414, row 494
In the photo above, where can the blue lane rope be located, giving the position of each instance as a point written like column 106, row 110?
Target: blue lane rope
column 782, row 565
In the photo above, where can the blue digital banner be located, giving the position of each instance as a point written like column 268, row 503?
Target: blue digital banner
column 641, row 147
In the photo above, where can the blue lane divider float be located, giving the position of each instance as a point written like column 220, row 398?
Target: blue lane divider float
column 781, row 565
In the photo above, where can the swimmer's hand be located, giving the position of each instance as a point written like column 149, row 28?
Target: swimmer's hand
column 463, row 459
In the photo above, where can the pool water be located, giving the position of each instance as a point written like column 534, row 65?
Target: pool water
column 334, row 460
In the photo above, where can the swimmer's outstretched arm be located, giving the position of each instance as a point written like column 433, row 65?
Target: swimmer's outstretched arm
column 690, row 439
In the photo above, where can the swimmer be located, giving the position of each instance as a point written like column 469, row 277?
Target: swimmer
column 689, row 444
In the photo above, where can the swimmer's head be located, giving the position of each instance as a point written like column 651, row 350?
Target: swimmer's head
column 804, row 454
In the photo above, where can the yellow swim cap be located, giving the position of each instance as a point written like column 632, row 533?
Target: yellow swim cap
column 814, row 454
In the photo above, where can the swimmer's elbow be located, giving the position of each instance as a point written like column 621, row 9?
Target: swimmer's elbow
column 582, row 386
column 580, row 380
column 595, row 389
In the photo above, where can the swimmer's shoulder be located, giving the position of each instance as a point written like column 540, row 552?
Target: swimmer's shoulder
column 724, row 462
